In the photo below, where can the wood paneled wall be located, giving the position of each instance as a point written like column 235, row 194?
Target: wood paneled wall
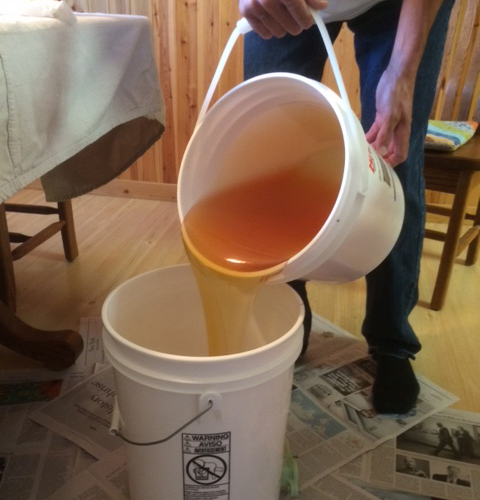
column 189, row 38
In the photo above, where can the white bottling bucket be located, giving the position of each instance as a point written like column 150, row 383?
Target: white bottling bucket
column 367, row 216
column 154, row 337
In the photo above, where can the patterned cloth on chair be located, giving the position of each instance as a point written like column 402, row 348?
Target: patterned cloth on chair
column 449, row 135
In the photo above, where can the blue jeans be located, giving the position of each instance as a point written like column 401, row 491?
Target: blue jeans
column 392, row 288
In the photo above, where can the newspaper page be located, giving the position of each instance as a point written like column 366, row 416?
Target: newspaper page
column 438, row 457
column 107, row 479
column 35, row 461
column 331, row 418
column 333, row 487
column 384, row 493
column 83, row 414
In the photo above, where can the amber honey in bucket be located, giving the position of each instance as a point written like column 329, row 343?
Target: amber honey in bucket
column 242, row 232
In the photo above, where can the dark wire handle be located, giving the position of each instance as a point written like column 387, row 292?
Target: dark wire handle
column 116, row 432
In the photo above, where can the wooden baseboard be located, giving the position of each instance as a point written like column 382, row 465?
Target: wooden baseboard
column 131, row 189
column 158, row 191
column 139, row 189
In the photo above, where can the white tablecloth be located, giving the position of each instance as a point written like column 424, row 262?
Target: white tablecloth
column 65, row 87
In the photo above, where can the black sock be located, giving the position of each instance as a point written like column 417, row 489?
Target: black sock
column 396, row 388
column 300, row 287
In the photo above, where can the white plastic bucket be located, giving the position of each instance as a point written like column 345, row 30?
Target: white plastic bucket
column 367, row 216
column 154, row 337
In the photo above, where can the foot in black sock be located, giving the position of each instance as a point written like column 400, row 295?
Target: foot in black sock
column 396, row 388
column 300, row 287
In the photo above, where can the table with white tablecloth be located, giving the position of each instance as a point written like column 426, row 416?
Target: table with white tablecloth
column 67, row 91
column 79, row 103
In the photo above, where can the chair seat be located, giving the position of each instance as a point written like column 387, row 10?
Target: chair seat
column 467, row 156
column 443, row 168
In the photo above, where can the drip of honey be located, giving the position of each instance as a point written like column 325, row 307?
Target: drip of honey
column 243, row 232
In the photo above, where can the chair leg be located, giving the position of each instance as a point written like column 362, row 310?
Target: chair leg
column 57, row 350
column 7, row 276
column 65, row 213
column 473, row 248
column 449, row 252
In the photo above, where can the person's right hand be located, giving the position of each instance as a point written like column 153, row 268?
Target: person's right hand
column 390, row 132
column 278, row 17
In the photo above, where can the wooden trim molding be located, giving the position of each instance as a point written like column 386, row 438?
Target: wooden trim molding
column 131, row 189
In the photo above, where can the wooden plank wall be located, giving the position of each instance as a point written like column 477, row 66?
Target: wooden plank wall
column 189, row 37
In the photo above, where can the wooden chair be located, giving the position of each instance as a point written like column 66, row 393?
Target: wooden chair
column 26, row 244
column 56, row 350
column 457, row 173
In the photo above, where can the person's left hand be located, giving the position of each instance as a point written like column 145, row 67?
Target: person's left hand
column 390, row 132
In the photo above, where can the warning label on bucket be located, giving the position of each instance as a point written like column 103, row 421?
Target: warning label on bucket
column 206, row 466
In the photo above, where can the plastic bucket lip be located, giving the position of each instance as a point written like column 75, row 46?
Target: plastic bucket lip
column 196, row 374
column 174, row 382
column 343, row 203
column 191, row 359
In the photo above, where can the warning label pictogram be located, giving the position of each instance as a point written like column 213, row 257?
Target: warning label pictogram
column 206, row 466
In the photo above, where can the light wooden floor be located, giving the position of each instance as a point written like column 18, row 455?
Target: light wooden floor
column 119, row 238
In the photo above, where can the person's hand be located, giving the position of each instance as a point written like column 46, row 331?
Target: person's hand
column 390, row 132
column 276, row 18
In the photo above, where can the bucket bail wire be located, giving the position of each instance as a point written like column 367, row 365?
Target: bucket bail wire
column 115, row 427
column 242, row 28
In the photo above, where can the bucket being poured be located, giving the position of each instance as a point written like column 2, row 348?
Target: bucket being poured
column 343, row 205
column 199, row 427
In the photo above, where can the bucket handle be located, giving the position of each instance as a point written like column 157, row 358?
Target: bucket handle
column 242, row 28
column 115, row 428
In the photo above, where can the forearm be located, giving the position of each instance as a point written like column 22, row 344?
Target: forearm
column 390, row 132
column 416, row 19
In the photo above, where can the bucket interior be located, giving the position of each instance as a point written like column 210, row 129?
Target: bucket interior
column 262, row 127
column 161, row 312
column 264, row 170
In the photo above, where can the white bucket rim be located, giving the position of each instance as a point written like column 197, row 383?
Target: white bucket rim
column 330, row 230
column 177, row 357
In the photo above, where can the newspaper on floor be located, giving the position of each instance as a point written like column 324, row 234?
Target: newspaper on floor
column 332, row 419
column 384, row 493
column 83, row 414
column 334, row 487
column 107, row 479
column 438, row 457
column 34, row 460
